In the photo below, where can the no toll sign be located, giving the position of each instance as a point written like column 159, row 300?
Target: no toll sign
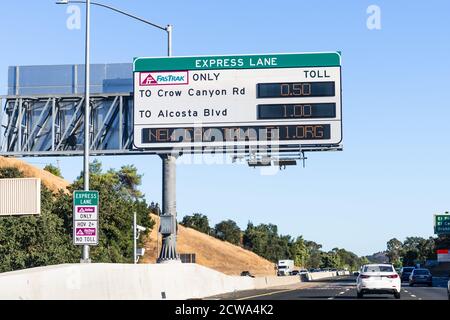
column 85, row 217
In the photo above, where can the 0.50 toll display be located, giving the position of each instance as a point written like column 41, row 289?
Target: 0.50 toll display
column 296, row 89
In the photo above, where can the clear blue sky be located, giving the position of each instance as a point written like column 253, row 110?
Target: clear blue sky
column 394, row 171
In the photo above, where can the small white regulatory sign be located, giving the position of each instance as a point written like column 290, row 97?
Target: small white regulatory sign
column 86, row 213
column 85, row 232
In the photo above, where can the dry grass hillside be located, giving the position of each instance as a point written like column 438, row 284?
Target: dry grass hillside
column 211, row 252
column 52, row 182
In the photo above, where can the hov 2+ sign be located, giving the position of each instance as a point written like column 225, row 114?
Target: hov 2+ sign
column 291, row 99
column 85, row 217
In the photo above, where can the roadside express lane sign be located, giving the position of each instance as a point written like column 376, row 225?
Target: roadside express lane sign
column 85, row 217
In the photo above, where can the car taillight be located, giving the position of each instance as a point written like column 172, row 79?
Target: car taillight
column 393, row 276
column 364, row 277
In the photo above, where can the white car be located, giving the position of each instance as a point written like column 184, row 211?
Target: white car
column 378, row 278
column 448, row 289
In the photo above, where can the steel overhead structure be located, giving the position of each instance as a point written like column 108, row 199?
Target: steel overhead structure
column 51, row 125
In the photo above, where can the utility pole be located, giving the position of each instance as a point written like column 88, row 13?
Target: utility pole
column 85, row 257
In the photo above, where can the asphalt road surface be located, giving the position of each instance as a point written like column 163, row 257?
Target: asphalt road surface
column 340, row 288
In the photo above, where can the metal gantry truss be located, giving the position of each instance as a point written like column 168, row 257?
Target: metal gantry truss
column 52, row 125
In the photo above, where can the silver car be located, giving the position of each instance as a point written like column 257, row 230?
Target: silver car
column 448, row 289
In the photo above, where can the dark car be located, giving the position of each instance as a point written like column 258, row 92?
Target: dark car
column 247, row 274
column 294, row 272
column 405, row 273
column 421, row 276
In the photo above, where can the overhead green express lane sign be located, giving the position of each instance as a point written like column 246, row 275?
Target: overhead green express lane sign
column 294, row 60
column 289, row 100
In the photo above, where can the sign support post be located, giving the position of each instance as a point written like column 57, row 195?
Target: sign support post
column 168, row 218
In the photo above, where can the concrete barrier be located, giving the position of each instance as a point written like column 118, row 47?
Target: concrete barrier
column 173, row 281
column 273, row 281
column 326, row 274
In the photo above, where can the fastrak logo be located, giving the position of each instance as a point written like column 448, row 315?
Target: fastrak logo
column 163, row 78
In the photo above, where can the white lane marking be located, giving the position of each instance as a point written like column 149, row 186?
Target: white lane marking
column 347, row 289
column 266, row 294
column 406, row 290
column 342, row 292
column 414, row 296
column 330, row 298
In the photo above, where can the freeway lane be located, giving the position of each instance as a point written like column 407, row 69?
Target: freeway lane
column 344, row 288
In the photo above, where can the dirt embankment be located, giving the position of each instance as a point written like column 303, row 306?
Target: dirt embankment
column 211, row 252
column 51, row 181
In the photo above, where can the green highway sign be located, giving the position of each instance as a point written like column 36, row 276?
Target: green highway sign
column 85, row 217
column 286, row 60
column 442, row 224
column 85, row 198
column 282, row 101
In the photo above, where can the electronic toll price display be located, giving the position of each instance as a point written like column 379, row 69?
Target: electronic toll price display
column 296, row 89
column 245, row 100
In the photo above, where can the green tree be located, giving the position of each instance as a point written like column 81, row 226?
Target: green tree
column 410, row 257
column 315, row 254
column 255, row 238
column 10, row 172
column 418, row 250
column 347, row 259
column 129, row 181
column 330, row 260
column 427, row 250
column 264, row 240
column 300, row 252
column 198, row 222
column 362, row 261
column 279, row 247
column 229, row 231
column 394, row 251
column 53, row 170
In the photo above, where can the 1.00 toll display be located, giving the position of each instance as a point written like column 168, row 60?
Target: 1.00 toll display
column 296, row 89
column 296, row 111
